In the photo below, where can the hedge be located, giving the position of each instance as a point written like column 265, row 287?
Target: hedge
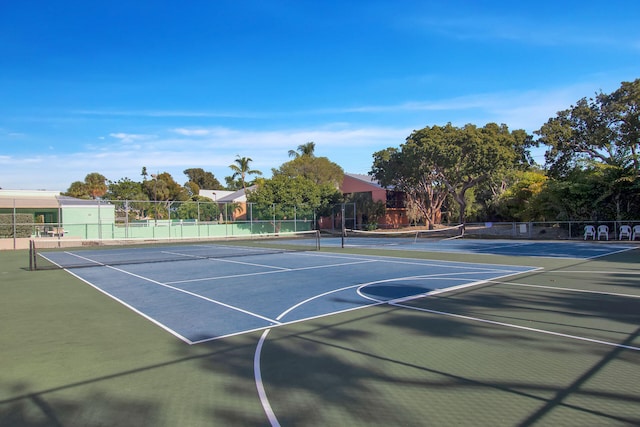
column 23, row 228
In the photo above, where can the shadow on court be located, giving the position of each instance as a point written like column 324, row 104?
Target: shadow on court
column 80, row 359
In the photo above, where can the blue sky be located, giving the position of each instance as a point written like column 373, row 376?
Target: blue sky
column 110, row 87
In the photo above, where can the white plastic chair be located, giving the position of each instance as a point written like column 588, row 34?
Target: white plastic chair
column 589, row 231
column 625, row 231
column 636, row 232
column 603, row 230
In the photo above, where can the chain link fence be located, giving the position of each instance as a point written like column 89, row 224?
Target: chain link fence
column 143, row 219
column 136, row 219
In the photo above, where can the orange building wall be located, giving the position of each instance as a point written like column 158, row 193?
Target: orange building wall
column 352, row 185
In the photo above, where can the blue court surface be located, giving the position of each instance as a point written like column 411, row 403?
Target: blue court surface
column 200, row 300
column 554, row 249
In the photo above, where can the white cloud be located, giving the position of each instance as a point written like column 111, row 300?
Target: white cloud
column 131, row 137
column 192, row 132
column 349, row 146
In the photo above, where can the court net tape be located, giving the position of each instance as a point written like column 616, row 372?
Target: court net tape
column 373, row 238
column 52, row 253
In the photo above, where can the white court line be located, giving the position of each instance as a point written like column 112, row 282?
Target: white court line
column 264, row 400
column 432, row 263
column 193, row 294
column 453, row 264
column 132, row 308
column 511, row 325
column 197, row 257
column 624, row 273
column 566, row 289
column 98, row 263
column 262, row 394
column 503, row 245
column 260, row 273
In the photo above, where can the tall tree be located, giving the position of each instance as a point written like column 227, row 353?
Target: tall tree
column 241, row 169
column 125, row 189
column 604, row 129
column 438, row 160
column 307, row 149
column 404, row 170
column 77, row 189
column 97, row 184
column 130, row 191
column 205, row 180
column 597, row 141
column 284, row 193
column 164, row 190
column 520, row 199
column 93, row 187
column 319, row 170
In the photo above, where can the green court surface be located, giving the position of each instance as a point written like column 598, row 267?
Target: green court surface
column 555, row 347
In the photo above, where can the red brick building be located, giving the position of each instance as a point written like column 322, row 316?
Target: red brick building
column 396, row 213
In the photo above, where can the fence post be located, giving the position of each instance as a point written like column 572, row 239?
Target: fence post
column 14, row 219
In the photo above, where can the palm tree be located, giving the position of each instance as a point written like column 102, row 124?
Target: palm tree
column 96, row 185
column 241, row 169
column 303, row 150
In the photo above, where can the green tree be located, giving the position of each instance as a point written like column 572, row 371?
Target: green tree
column 164, row 190
column 192, row 188
column 404, row 170
column 284, row 194
column 93, row 187
column 604, row 129
column 368, row 212
column 319, row 170
column 77, row 189
column 241, row 169
column 307, row 150
column 96, row 185
column 136, row 200
column 205, row 180
column 520, row 201
column 199, row 208
column 125, row 189
column 594, row 145
column 441, row 160
column 232, row 184
column 569, row 199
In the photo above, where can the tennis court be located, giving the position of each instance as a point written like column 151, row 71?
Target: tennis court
column 207, row 298
column 461, row 332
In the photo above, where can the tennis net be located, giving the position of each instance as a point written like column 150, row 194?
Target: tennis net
column 52, row 253
column 393, row 238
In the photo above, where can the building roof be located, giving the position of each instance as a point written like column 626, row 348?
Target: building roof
column 224, row 196
column 39, row 199
column 235, row 196
column 214, row 195
column 368, row 179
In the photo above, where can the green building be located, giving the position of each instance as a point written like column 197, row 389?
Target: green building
column 38, row 213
